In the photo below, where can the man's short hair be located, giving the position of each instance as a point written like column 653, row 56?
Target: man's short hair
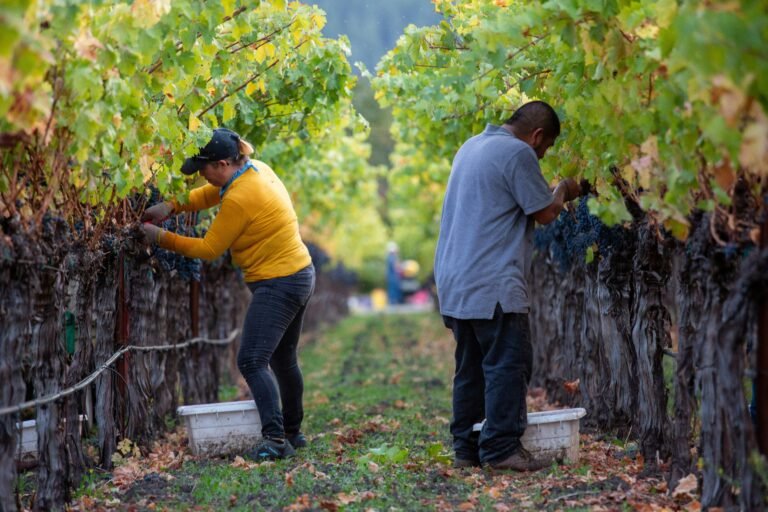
column 536, row 114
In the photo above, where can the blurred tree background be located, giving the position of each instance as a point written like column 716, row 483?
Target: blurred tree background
column 373, row 28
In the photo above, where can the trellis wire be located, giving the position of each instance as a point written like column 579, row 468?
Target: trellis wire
column 88, row 380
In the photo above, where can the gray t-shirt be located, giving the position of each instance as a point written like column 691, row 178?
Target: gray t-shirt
column 485, row 245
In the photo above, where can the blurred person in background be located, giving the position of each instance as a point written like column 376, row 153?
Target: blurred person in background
column 394, row 290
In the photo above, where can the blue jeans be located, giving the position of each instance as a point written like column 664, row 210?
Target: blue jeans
column 270, row 340
column 494, row 360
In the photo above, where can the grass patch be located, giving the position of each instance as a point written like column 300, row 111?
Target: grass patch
column 378, row 403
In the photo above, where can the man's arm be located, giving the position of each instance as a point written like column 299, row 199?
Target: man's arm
column 566, row 190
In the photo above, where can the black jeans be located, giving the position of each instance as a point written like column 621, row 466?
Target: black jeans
column 270, row 340
column 494, row 360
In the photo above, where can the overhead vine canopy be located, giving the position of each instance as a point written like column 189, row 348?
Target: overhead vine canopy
column 100, row 99
column 662, row 101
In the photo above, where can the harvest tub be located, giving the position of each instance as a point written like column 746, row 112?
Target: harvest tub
column 552, row 435
column 26, row 449
column 221, row 429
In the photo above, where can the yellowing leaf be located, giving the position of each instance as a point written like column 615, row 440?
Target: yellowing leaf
column 666, row 10
column 588, row 47
column 169, row 90
column 228, row 111
column 318, row 20
column 229, row 5
column 145, row 165
column 753, row 154
column 648, row 31
column 194, row 123
column 628, row 173
column 266, row 50
column 148, row 12
column 250, row 88
column 679, row 227
column 651, row 148
column 297, row 30
column 87, row 46
column 729, row 98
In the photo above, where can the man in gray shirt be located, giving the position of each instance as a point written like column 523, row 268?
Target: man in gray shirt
column 495, row 194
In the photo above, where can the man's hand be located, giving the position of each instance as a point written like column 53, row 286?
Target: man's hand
column 157, row 213
column 151, row 232
column 572, row 189
column 567, row 190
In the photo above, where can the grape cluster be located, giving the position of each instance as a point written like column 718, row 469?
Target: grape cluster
column 54, row 226
column 186, row 268
column 568, row 238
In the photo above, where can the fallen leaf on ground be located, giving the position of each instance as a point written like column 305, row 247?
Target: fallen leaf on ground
column 124, row 476
column 303, row 502
column 353, row 497
column 686, row 487
column 349, row 436
column 331, row 506
column 241, row 463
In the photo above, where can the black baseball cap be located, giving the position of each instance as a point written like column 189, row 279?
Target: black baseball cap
column 224, row 145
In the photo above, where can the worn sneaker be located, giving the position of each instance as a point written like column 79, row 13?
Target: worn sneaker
column 297, row 440
column 465, row 463
column 271, row 449
column 521, row 460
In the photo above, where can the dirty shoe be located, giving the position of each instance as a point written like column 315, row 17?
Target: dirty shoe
column 521, row 460
column 271, row 449
column 297, row 440
column 465, row 463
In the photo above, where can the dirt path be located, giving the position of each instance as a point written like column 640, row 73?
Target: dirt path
column 378, row 407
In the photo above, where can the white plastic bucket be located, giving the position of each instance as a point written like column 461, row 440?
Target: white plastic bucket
column 27, row 439
column 27, row 447
column 551, row 435
column 220, row 429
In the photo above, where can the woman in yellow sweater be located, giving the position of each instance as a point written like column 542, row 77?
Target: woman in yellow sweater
column 257, row 223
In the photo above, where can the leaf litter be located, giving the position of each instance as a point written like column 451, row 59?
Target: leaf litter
column 398, row 458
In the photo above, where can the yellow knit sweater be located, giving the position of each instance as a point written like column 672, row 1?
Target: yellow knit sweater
column 256, row 221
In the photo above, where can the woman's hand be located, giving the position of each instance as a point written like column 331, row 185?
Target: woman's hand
column 157, row 213
column 151, row 232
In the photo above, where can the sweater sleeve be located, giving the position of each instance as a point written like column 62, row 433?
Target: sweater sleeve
column 200, row 198
column 226, row 227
